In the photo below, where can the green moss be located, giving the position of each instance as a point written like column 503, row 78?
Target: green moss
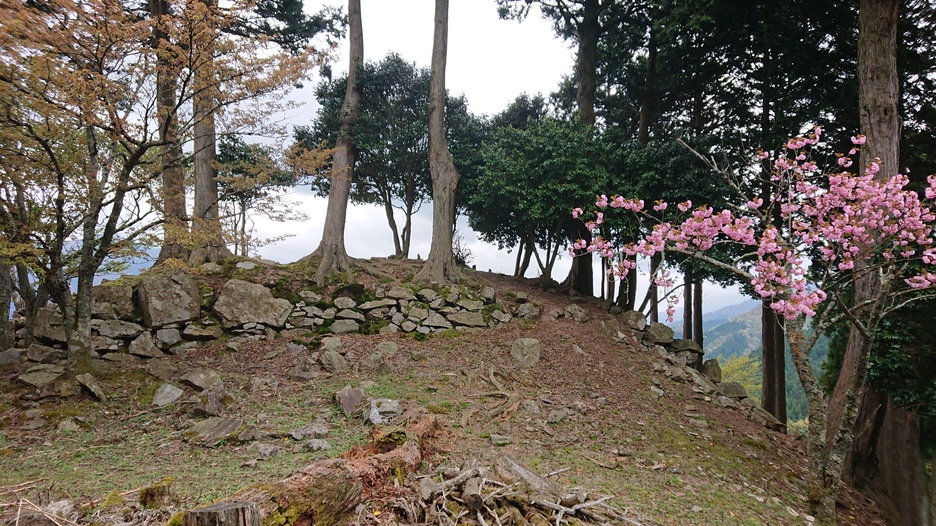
column 420, row 337
column 450, row 333
column 176, row 519
column 114, row 498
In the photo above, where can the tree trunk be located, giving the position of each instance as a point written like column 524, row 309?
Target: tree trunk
column 33, row 300
column 519, row 257
column 886, row 461
column 440, row 265
column 206, row 223
column 334, row 256
column 175, row 228
column 773, row 370
column 586, row 61
column 582, row 274
column 698, row 337
column 877, row 100
column 687, row 325
column 6, row 296
column 648, row 99
column 224, row 514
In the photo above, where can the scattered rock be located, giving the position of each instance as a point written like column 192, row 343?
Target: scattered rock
column 467, row 319
column 317, row 444
column 387, row 347
column 434, row 319
column 488, row 295
column 68, row 426
column 305, row 369
column 42, row 374
column 634, row 320
column 309, row 431
column 44, row 354
column 91, row 385
column 375, row 362
column 499, row 440
column 577, row 313
column 732, row 390
column 11, row 357
column 531, row 407
column 263, row 382
column 658, row 333
column 201, row 379
column 528, row 311
column 246, row 265
column 712, row 370
column 333, row 362
column 261, row 450
column 382, row 410
column 344, row 302
column 144, row 346
column 213, row 431
column 556, row 416
column 121, row 357
column 161, row 369
column 331, row 343
column 165, row 395
column 168, row 337
column 349, row 399
column 526, row 351
column 213, row 401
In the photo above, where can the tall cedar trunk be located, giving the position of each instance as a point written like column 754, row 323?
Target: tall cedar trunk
column 886, row 460
column 440, row 265
column 388, row 210
column 649, row 94
column 588, row 30
column 33, row 299
column 6, row 296
column 698, row 337
column 582, row 274
column 516, row 271
column 586, row 61
column 773, row 363
column 175, row 228
column 687, row 324
column 334, row 256
column 206, row 224
column 878, row 111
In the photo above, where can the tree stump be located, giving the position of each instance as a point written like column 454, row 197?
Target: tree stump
column 237, row 513
column 158, row 495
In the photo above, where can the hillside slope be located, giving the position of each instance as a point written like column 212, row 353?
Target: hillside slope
column 595, row 410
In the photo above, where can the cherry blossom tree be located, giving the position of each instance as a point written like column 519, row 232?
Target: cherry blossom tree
column 836, row 227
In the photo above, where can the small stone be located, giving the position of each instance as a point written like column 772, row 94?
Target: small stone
column 696, row 509
column 349, row 399
column 202, row 333
column 213, row 401
column 309, row 296
column 343, row 302
column 165, row 395
column 263, row 451
column 470, row 305
column 305, row 369
column 577, row 313
column 382, row 410
column 375, row 362
column 309, row 431
column 488, row 295
column 500, row 440
column 317, row 444
column 91, row 385
column 246, row 265
column 161, row 369
column 333, row 362
column 41, row 375
column 296, row 348
column 556, row 416
column 400, row 293
column 44, row 354
column 272, row 354
column 387, row 347
column 368, row 384
column 11, row 357
column 526, row 351
column 201, row 379
column 712, row 370
column 348, row 314
column 121, row 357
column 168, row 337
column 528, row 311
column 213, row 431
column 68, row 426
column 144, row 346
column 531, row 407
column 182, row 348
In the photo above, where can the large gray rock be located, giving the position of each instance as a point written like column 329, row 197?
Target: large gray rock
column 213, row 401
column 400, row 293
column 49, row 325
column 434, row 319
column 344, row 302
column 712, row 370
column 304, row 369
column 88, row 382
column 528, row 311
column 202, row 333
column 119, row 329
column 310, row 431
column 111, row 301
column 467, row 319
column 376, row 304
column 333, row 362
column 144, row 346
column 577, row 313
column 526, row 351
column 634, row 320
column 201, row 379
column 348, row 314
column 43, row 354
column 382, row 411
column 349, row 398
column 470, row 305
column 344, row 326
column 11, row 357
column 242, row 302
column 488, row 295
column 168, row 337
column 658, row 333
column 213, row 431
column 42, row 374
column 168, row 298
column 732, row 390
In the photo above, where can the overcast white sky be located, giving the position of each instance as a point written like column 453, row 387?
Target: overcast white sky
column 490, row 61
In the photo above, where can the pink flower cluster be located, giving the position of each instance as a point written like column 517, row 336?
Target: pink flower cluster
column 852, row 218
